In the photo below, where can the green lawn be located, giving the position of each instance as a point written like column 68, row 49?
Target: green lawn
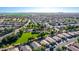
column 17, row 14
column 24, row 37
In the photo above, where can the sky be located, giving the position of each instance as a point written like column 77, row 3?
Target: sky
column 39, row 9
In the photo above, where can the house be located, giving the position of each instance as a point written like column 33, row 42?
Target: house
column 57, row 39
column 72, row 34
column 13, row 49
column 22, row 48
column 35, row 44
column 29, row 30
column 44, row 42
column 47, row 49
column 28, row 48
column 76, row 45
column 60, row 35
column 66, row 35
column 49, row 39
column 72, row 48
column 76, row 33
column 56, row 29
column 25, row 48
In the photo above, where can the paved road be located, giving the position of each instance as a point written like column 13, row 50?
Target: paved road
column 59, row 26
column 66, row 25
column 66, row 43
column 23, row 26
column 34, row 21
column 15, row 31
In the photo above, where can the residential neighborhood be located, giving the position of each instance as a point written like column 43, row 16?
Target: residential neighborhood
column 39, row 32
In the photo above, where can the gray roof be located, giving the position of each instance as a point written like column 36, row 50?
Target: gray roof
column 13, row 49
column 44, row 42
column 47, row 49
column 71, row 33
column 35, row 44
column 49, row 39
column 65, row 34
column 28, row 48
column 56, row 38
column 22, row 48
column 76, row 33
column 73, row 48
column 76, row 45
column 60, row 35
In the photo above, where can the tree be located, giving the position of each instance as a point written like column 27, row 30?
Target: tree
column 58, row 49
column 31, row 39
column 53, row 43
column 64, row 48
column 52, row 33
column 20, row 33
column 4, row 41
column 51, row 49
column 42, row 35
column 43, row 48
column 37, row 49
column 78, row 39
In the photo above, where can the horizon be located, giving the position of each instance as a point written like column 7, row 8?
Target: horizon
column 39, row 9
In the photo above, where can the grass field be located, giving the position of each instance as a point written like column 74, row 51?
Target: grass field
column 24, row 37
column 17, row 14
